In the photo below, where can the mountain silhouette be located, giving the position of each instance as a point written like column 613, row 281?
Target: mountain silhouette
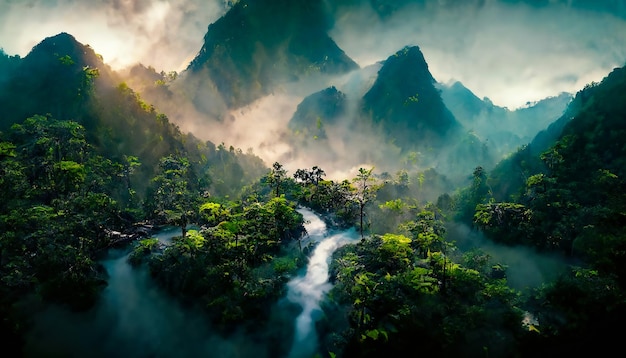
column 259, row 45
column 404, row 103
column 503, row 128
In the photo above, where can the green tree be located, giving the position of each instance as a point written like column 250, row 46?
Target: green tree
column 365, row 191
column 276, row 177
column 173, row 200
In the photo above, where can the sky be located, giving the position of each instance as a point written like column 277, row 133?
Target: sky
column 512, row 54
column 165, row 34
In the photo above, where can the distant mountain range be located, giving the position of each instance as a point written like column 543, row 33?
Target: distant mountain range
column 391, row 114
column 260, row 44
column 439, row 125
column 504, row 129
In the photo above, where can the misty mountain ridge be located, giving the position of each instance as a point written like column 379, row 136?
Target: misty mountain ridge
column 402, row 116
column 52, row 78
column 402, row 113
column 244, row 48
column 63, row 79
column 399, row 117
column 404, row 102
column 258, row 45
column 503, row 128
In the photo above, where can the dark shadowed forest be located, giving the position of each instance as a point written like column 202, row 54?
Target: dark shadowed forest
column 285, row 194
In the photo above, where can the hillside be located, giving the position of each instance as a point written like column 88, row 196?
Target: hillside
column 401, row 114
column 247, row 53
column 403, row 215
column 404, row 103
column 503, row 128
column 571, row 201
column 83, row 159
column 68, row 81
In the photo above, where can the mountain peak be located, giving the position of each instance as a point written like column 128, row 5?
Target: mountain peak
column 405, row 101
column 65, row 49
column 411, row 56
column 326, row 105
column 260, row 44
column 62, row 42
column 58, row 72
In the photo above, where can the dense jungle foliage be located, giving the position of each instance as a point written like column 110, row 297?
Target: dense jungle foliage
column 90, row 168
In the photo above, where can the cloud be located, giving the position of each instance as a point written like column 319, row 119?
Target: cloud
column 526, row 267
column 165, row 34
column 511, row 53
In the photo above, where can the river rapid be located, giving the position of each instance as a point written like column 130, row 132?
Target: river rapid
column 134, row 318
column 309, row 289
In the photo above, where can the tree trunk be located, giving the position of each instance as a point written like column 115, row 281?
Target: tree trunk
column 361, row 207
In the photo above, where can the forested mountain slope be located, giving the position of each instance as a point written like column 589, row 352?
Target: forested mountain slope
column 504, row 130
column 66, row 80
column 401, row 113
column 82, row 159
column 259, row 45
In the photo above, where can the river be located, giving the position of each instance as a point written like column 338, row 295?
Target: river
column 309, row 289
column 134, row 318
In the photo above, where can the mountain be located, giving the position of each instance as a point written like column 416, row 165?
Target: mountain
column 504, row 129
column 329, row 104
column 66, row 80
column 52, row 78
column 404, row 103
column 592, row 117
column 570, row 199
column 259, row 45
column 398, row 121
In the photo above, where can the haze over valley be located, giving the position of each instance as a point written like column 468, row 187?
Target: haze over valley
column 300, row 178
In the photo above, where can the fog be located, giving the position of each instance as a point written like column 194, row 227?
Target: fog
column 165, row 34
column 135, row 318
column 525, row 267
column 511, row 53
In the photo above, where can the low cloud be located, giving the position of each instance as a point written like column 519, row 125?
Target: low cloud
column 525, row 267
column 165, row 34
column 511, row 53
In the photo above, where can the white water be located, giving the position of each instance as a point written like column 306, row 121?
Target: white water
column 308, row 290
column 133, row 318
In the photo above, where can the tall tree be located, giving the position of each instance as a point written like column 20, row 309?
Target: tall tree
column 365, row 191
column 276, row 176
column 173, row 201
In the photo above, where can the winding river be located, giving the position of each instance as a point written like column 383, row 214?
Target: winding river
column 133, row 318
column 308, row 290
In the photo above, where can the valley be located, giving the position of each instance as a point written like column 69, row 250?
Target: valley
column 316, row 181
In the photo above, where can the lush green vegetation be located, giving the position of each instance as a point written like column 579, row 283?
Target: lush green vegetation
column 84, row 160
column 248, row 54
column 79, row 167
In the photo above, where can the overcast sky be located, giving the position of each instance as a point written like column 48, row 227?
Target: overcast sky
column 509, row 53
column 165, row 34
